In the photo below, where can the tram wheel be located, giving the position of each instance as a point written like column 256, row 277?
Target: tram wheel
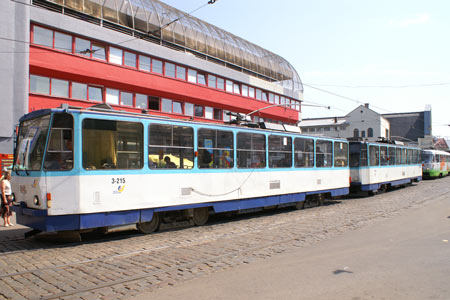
column 200, row 216
column 150, row 226
column 300, row 205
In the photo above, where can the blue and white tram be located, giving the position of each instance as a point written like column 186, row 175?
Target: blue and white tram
column 81, row 169
column 379, row 166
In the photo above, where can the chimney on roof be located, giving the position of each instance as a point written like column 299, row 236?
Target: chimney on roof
column 366, row 105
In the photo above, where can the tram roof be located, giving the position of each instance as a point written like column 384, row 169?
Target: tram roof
column 150, row 18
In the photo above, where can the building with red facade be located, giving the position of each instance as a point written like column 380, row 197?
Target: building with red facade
column 139, row 56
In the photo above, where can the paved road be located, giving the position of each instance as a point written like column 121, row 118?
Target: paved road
column 124, row 265
column 405, row 257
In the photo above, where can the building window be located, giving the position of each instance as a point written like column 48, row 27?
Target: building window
column 198, row 111
column 153, row 103
column 220, row 83
column 126, row 98
column 208, row 112
column 258, row 94
column 212, row 81
column 181, row 73
column 157, row 66
column 277, row 99
column 229, row 86
column 63, row 42
column 166, row 105
column 236, row 89
column 115, row 55
column 95, row 93
column 251, row 92
column 355, row 132
column 98, row 52
column 264, row 96
column 177, row 107
column 82, row 47
column 201, row 79
column 39, row 84
column 244, row 90
column 43, row 36
column 370, row 132
column 363, row 133
column 112, row 96
column 141, row 101
column 169, row 70
column 226, row 116
column 271, row 98
column 130, row 59
column 217, row 114
column 192, row 76
column 144, row 63
column 79, row 91
column 60, row 88
column 189, row 109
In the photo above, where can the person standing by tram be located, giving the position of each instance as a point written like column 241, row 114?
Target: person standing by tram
column 6, row 198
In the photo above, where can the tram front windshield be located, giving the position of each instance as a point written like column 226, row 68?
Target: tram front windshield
column 427, row 157
column 32, row 140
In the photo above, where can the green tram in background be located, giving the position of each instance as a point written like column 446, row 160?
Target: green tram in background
column 435, row 163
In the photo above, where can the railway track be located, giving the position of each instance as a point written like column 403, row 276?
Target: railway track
column 119, row 267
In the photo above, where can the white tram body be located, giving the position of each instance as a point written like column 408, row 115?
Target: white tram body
column 377, row 166
column 435, row 163
column 78, row 169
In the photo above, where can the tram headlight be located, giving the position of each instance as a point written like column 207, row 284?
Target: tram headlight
column 36, row 200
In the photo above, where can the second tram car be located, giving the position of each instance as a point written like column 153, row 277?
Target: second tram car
column 435, row 163
column 81, row 169
column 379, row 166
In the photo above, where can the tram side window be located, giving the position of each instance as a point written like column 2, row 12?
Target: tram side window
column 112, row 145
column 384, row 158
column 398, row 156
column 374, row 155
column 251, row 150
column 410, row 156
column 59, row 155
column 404, row 157
column 391, row 156
column 215, row 149
column 324, row 153
column 304, row 153
column 280, row 151
column 340, row 154
column 170, row 146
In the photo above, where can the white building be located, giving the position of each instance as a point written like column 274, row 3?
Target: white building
column 361, row 122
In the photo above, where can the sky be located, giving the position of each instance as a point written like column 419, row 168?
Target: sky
column 392, row 54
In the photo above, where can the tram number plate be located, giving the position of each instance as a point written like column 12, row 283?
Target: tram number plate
column 118, row 180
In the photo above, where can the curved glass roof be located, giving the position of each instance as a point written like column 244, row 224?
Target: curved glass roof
column 152, row 16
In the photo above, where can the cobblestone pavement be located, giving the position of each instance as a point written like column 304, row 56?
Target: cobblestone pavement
column 121, row 265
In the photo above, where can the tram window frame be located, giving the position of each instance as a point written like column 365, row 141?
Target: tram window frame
column 340, row 153
column 251, row 150
column 324, row 153
column 59, row 151
column 384, row 156
column 173, row 141
column 122, row 142
column 374, row 155
column 280, row 151
column 215, row 149
column 302, row 157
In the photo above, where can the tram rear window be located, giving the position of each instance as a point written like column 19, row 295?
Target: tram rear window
column 324, row 153
column 340, row 154
column 374, row 155
column 280, row 151
column 304, row 152
column 112, row 145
